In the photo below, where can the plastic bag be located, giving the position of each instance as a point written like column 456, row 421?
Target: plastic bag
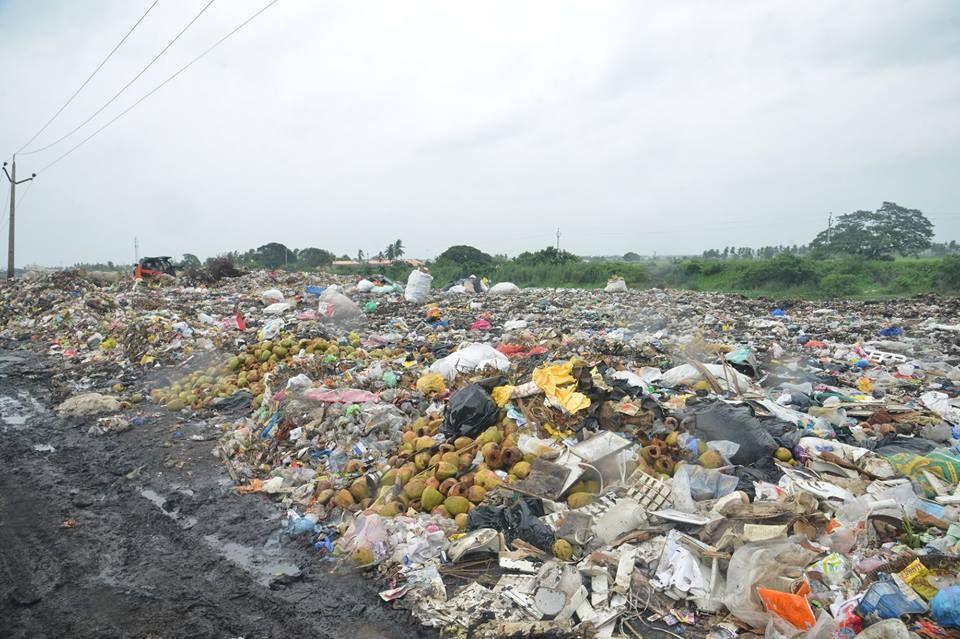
column 364, row 285
column 615, row 285
column 520, row 520
column 468, row 359
column 271, row 328
column 945, row 607
column 504, row 288
column 735, row 424
column 469, row 411
column 761, row 564
column 277, row 308
column 418, row 286
column 795, row 609
column 336, row 305
column 705, row 483
column 271, row 296
column 688, row 375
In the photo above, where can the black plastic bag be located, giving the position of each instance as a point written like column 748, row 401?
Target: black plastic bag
column 735, row 424
column 764, row 469
column 468, row 412
column 516, row 521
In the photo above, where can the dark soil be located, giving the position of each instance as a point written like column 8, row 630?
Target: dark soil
column 140, row 534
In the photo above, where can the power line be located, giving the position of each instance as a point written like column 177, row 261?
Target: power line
column 162, row 84
column 90, row 77
column 127, row 85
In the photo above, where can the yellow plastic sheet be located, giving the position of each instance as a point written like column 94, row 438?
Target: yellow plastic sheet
column 501, row 395
column 557, row 383
column 431, row 383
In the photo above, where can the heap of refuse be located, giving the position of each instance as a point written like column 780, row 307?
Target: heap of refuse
column 558, row 462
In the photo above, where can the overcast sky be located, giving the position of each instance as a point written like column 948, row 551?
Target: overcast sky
column 633, row 126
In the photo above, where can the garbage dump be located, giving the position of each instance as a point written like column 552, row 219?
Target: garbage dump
column 540, row 462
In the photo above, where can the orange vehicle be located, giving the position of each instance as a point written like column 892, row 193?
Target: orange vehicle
column 153, row 267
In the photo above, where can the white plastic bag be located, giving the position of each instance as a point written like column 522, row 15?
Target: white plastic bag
column 364, row 285
column 271, row 296
column 469, row 358
column 418, row 286
column 504, row 288
column 335, row 305
column 687, row 374
column 615, row 285
column 271, row 328
column 279, row 308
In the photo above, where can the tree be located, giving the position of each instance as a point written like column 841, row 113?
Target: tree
column 273, row 255
column 548, row 255
column 630, row 256
column 391, row 252
column 315, row 257
column 463, row 254
column 463, row 260
column 190, row 261
column 360, row 255
column 889, row 231
column 398, row 249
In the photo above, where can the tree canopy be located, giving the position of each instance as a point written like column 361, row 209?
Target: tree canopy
column 313, row 256
column 548, row 255
column 190, row 261
column 274, row 255
column 889, row 231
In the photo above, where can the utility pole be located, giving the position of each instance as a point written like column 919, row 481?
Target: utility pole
column 136, row 250
column 12, row 178
column 558, row 239
column 829, row 226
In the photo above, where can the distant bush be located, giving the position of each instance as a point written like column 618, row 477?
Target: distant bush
column 949, row 273
column 840, row 285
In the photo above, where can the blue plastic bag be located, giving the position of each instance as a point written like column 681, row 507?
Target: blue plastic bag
column 945, row 607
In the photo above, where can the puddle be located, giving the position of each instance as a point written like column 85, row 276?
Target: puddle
column 259, row 562
column 16, row 411
column 159, row 501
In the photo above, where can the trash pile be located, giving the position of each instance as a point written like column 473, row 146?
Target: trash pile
column 611, row 463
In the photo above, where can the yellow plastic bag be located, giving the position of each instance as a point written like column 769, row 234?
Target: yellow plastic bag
column 431, row 383
column 501, row 395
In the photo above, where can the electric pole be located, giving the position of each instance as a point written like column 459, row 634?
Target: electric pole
column 558, row 239
column 12, row 178
column 136, row 250
column 829, row 226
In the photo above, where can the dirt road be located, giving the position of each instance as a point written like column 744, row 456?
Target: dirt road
column 139, row 534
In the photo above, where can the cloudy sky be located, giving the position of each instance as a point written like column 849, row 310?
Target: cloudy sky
column 631, row 126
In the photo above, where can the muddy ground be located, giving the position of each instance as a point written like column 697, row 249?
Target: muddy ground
column 140, row 534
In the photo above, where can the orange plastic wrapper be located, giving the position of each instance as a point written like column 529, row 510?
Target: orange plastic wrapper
column 793, row 608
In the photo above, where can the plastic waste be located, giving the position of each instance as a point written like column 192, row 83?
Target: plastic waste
column 418, row 286
column 520, row 520
column 886, row 629
column 703, row 483
column 278, row 308
column 615, row 285
column 887, row 599
column 469, row 411
column 688, row 375
column 503, row 288
column 271, row 328
column 763, row 564
column 271, row 296
column 336, row 305
column 469, row 358
column 735, row 424
column 364, row 285
column 945, row 607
